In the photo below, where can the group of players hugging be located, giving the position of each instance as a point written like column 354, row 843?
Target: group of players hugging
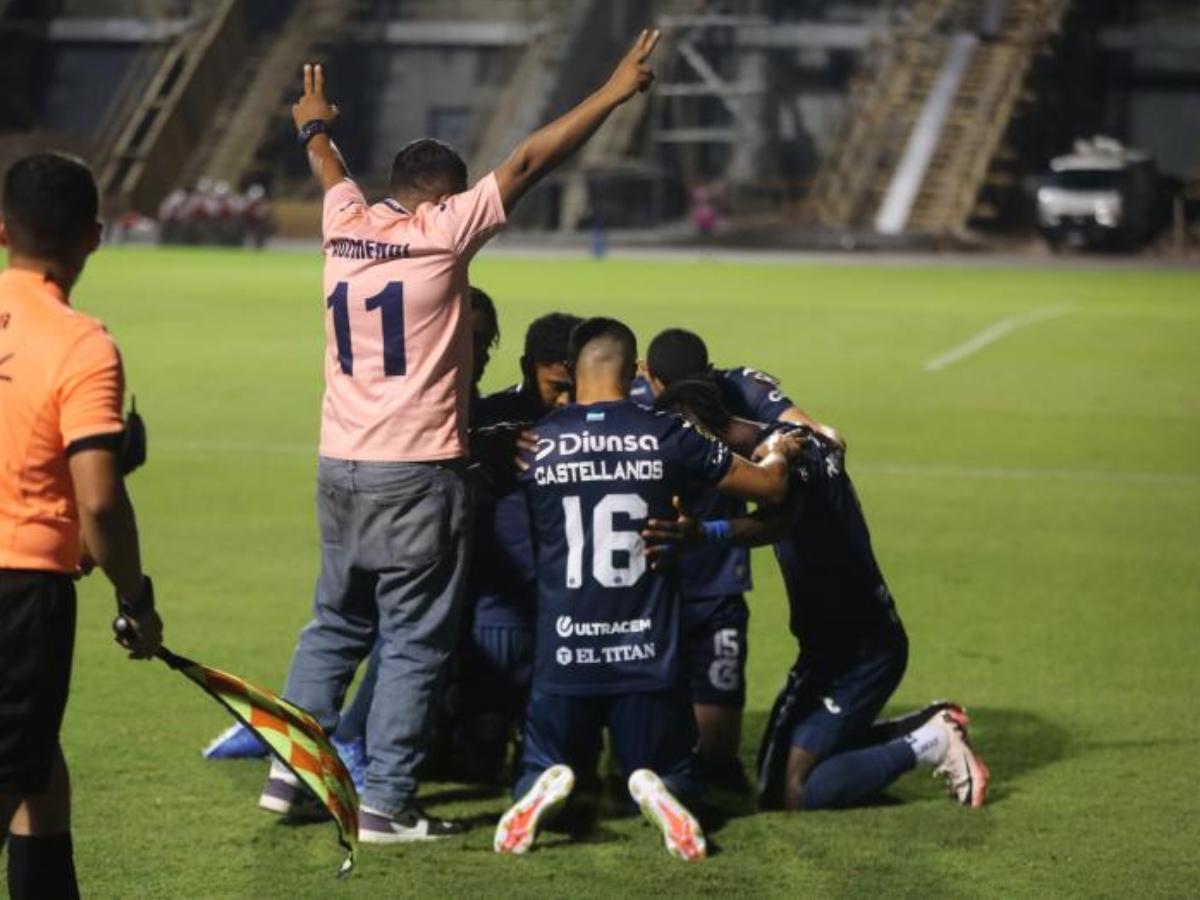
column 608, row 561
column 607, row 590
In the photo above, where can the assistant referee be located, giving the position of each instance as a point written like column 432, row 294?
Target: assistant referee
column 61, row 490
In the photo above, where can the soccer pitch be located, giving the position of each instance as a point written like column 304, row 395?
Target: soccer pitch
column 1026, row 444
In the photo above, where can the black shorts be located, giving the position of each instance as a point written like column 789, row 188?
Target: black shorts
column 37, row 637
column 714, row 635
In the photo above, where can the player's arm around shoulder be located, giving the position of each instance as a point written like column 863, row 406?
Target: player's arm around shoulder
column 764, row 481
column 764, row 396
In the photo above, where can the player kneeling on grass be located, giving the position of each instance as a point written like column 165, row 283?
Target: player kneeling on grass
column 715, row 580
column 823, row 747
column 607, row 649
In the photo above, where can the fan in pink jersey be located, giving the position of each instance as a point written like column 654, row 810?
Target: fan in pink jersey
column 393, row 504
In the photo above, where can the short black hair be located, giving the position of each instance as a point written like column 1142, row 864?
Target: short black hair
column 597, row 327
column 675, row 354
column 50, row 204
column 429, row 167
column 480, row 300
column 698, row 399
column 548, row 339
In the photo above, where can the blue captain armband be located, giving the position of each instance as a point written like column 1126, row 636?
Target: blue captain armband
column 717, row 531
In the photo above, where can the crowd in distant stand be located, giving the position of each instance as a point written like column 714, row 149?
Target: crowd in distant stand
column 213, row 213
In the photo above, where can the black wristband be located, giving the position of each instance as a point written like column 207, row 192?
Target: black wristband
column 142, row 605
column 311, row 129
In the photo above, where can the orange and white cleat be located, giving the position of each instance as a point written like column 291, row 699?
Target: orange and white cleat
column 519, row 826
column 962, row 768
column 681, row 832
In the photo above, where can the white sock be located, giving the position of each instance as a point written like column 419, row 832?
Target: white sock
column 928, row 742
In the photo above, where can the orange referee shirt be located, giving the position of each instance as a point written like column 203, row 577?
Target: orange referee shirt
column 61, row 384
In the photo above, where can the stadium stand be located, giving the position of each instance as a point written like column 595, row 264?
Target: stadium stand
column 873, row 121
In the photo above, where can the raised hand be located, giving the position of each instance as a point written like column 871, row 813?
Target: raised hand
column 633, row 75
column 313, row 105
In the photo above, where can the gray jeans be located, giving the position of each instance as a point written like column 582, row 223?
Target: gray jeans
column 394, row 546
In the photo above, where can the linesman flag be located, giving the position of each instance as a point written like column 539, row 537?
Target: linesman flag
column 293, row 736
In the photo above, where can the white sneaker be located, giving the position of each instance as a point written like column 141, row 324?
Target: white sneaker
column 284, row 795
column 519, row 826
column 405, row 827
column 961, row 767
column 681, row 832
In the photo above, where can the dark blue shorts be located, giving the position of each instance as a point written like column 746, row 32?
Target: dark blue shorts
column 715, row 632
column 496, row 663
column 647, row 730
column 828, row 703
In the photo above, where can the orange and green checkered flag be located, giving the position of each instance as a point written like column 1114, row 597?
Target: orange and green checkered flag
column 294, row 738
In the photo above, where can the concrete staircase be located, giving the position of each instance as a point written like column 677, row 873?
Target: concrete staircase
column 524, row 103
column 885, row 100
column 926, row 120
column 155, row 141
column 983, row 107
column 263, row 86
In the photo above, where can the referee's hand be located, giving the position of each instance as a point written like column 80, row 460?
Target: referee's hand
column 143, row 635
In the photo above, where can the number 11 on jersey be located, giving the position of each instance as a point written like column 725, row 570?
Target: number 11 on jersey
column 390, row 303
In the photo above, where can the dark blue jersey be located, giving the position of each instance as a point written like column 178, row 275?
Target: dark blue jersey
column 836, row 591
column 750, row 394
column 502, row 587
column 746, row 393
column 718, row 571
column 606, row 622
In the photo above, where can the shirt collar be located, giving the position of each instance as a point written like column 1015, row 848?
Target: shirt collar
column 31, row 280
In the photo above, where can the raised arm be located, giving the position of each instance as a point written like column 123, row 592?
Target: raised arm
column 323, row 155
column 550, row 146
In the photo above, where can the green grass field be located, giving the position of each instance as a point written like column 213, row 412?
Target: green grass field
column 1035, row 506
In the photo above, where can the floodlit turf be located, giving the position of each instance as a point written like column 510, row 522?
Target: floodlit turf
column 1035, row 506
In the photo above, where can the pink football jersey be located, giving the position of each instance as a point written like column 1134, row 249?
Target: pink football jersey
column 398, row 324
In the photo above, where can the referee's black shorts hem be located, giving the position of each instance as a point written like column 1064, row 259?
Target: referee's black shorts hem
column 37, row 638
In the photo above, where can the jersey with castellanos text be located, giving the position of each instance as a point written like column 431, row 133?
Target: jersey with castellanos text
column 718, row 571
column 607, row 623
column 836, row 592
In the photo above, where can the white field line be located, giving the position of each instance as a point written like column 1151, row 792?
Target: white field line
column 1090, row 476
column 993, row 333
column 902, row 470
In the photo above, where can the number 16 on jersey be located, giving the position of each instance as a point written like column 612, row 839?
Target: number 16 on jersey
column 607, row 541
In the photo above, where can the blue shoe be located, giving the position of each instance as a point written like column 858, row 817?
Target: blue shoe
column 236, row 742
column 354, row 757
